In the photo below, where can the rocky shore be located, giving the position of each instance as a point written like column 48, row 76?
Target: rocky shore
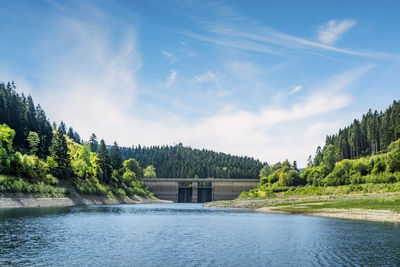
column 32, row 202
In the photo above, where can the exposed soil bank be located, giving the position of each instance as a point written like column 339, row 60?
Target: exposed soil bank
column 350, row 214
column 32, row 202
column 302, row 204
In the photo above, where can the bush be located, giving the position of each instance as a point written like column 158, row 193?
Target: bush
column 50, row 179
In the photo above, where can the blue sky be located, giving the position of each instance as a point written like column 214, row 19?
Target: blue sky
column 268, row 79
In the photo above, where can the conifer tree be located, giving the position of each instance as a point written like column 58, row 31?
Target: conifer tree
column 59, row 152
column 71, row 133
column 62, row 127
column 104, row 161
column 94, row 145
column 116, row 158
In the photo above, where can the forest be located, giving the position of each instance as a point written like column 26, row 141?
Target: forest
column 45, row 159
column 361, row 156
column 372, row 135
column 185, row 162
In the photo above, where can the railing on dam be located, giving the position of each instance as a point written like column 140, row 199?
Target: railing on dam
column 198, row 189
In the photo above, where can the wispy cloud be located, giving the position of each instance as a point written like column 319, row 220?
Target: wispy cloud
column 330, row 32
column 171, row 78
column 271, row 132
column 278, row 97
column 247, row 34
column 208, row 76
column 295, row 89
column 169, row 55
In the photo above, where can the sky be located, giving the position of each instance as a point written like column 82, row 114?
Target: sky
column 266, row 79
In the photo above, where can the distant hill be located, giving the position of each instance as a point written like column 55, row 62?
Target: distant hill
column 185, row 162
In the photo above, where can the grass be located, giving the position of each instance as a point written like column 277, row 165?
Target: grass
column 302, row 191
column 392, row 204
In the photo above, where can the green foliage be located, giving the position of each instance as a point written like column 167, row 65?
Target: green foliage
column 150, row 172
column 116, row 158
column 6, row 140
column 284, row 174
column 133, row 166
column 83, row 162
column 59, row 153
column 393, row 157
column 185, row 162
column 265, row 171
column 11, row 184
column 94, row 145
column 370, row 136
column 104, row 162
column 329, row 157
column 33, row 140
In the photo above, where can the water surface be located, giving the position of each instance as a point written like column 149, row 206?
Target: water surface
column 189, row 234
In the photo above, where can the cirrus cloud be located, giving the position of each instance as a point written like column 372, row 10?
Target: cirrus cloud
column 330, row 32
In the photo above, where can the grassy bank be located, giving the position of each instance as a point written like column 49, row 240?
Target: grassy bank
column 374, row 202
column 16, row 186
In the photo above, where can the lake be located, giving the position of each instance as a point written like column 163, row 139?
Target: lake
column 187, row 235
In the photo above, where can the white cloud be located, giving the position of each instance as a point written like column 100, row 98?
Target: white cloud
column 169, row 56
column 295, row 89
column 171, row 78
column 166, row 54
column 208, row 76
column 330, row 32
column 96, row 92
column 250, row 35
column 92, row 86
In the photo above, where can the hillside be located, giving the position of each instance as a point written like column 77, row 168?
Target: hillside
column 370, row 135
column 185, row 162
column 40, row 159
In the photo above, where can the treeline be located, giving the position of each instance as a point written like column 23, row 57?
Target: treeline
column 366, row 152
column 37, row 157
column 382, row 168
column 372, row 135
column 23, row 116
column 185, row 162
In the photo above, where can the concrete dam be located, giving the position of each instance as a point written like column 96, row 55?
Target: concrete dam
column 197, row 190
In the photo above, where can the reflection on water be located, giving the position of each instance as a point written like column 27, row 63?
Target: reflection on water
column 189, row 234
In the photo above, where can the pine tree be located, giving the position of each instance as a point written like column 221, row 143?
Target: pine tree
column 62, row 127
column 94, row 145
column 59, row 152
column 71, row 133
column 77, row 138
column 104, row 162
column 116, row 158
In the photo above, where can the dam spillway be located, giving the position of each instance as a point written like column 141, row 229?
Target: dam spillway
column 198, row 190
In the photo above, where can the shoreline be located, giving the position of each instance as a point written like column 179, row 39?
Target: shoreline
column 322, row 206
column 11, row 202
column 350, row 214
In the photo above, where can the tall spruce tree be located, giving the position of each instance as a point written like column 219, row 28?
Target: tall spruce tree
column 59, row 152
column 71, row 133
column 116, row 157
column 104, row 162
column 94, row 145
column 62, row 127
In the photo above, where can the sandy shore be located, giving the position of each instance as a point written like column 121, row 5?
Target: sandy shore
column 289, row 205
column 32, row 202
column 350, row 214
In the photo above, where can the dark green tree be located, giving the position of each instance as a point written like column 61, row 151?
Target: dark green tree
column 71, row 133
column 116, row 158
column 94, row 145
column 104, row 162
column 62, row 127
column 59, row 152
